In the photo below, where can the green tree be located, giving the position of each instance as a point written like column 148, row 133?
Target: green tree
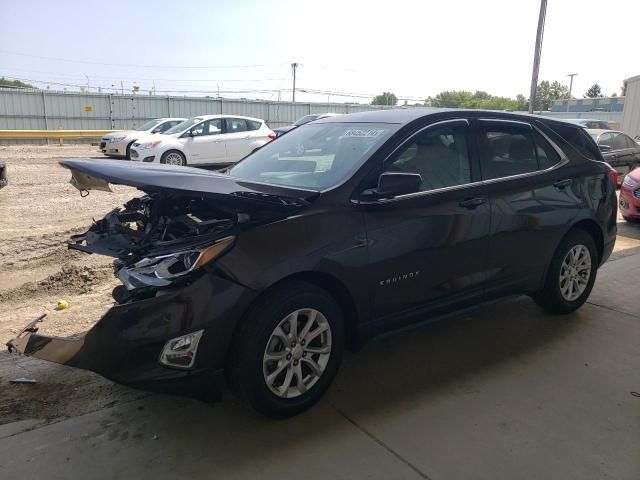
column 594, row 91
column 478, row 99
column 387, row 98
column 547, row 92
column 14, row 83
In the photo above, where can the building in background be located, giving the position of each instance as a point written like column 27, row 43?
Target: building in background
column 602, row 104
column 631, row 114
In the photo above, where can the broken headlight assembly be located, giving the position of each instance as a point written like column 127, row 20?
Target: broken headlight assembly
column 163, row 270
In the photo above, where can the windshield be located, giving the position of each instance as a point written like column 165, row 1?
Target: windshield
column 305, row 119
column 148, row 126
column 182, row 126
column 314, row 156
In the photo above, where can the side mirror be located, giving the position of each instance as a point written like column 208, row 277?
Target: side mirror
column 155, row 130
column 391, row 184
column 194, row 133
column 605, row 148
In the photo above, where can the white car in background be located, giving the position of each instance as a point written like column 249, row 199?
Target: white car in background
column 118, row 143
column 204, row 140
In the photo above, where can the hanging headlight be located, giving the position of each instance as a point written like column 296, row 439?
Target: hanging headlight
column 163, row 270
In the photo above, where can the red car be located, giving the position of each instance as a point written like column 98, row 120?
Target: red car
column 630, row 196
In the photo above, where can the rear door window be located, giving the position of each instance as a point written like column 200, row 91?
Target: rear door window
column 507, row 150
column 236, row 125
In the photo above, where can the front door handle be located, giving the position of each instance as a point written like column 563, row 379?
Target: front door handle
column 562, row 184
column 472, row 203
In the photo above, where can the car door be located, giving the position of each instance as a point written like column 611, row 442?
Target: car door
column 206, row 143
column 238, row 138
column 427, row 249
column 625, row 152
column 531, row 200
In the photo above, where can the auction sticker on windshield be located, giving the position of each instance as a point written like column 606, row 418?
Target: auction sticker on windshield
column 363, row 132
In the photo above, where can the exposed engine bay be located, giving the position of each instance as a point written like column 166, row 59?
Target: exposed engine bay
column 155, row 224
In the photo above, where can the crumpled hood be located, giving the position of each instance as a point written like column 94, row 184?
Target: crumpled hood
column 231, row 193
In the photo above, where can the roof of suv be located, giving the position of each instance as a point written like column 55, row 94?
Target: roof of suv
column 406, row 115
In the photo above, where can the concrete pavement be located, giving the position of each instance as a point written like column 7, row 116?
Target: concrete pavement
column 502, row 392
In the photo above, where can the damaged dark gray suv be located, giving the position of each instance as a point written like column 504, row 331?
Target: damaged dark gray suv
column 333, row 233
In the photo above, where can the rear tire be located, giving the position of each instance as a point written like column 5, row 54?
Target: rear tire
column 173, row 157
column 571, row 274
column 282, row 372
column 631, row 219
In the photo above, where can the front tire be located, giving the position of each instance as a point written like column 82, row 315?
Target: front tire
column 173, row 157
column 288, row 351
column 127, row 154
column 571, row 274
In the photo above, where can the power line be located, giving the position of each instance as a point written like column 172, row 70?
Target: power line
column 89, row 62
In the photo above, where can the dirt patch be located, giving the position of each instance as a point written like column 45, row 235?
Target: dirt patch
column 71, row 280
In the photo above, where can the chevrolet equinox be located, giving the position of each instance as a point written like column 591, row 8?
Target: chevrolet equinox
column 342, row 229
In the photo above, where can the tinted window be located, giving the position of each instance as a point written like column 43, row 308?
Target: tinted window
column 629, row 141
column 235, row 125
column 253, row 125
column 578, row 139
column 606, row 139
column 439, row 155
column 618, row 142
column 507, row 151
column 547, row 155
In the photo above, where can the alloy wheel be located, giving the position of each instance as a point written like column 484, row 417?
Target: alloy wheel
column 575, row 272
column 297, row 353
column 173, row 158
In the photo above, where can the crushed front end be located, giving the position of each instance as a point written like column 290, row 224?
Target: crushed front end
column 172, row 318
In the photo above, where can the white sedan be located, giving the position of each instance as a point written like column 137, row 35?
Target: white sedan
column 118, row 143
column 204, row 140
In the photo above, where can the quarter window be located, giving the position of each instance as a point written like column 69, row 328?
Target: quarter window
column 507, row 151
column 547, row 156
column 253, row 125
column 440, row 155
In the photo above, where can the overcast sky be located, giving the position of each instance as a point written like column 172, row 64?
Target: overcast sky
column 412, row 48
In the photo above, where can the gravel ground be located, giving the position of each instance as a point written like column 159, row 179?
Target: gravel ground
column 39, row 210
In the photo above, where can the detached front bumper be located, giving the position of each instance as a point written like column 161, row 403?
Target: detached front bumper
column 126, row 343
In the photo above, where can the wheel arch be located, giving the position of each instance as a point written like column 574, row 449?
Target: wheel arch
column 592, row 228
column 322, row 280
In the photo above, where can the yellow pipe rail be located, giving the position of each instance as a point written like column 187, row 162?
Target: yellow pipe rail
column 48, row 134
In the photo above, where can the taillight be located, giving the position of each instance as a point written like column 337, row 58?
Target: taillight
column 272, row 136
column 613, row 176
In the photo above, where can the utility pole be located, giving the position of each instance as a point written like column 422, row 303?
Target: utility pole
column 570, row 87
column 294, row 66
column 536, row 56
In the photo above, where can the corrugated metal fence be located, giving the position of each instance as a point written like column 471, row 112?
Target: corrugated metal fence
column 47, row 110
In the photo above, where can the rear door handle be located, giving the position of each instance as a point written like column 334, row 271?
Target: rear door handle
column 562, row 184
column 472, row 203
